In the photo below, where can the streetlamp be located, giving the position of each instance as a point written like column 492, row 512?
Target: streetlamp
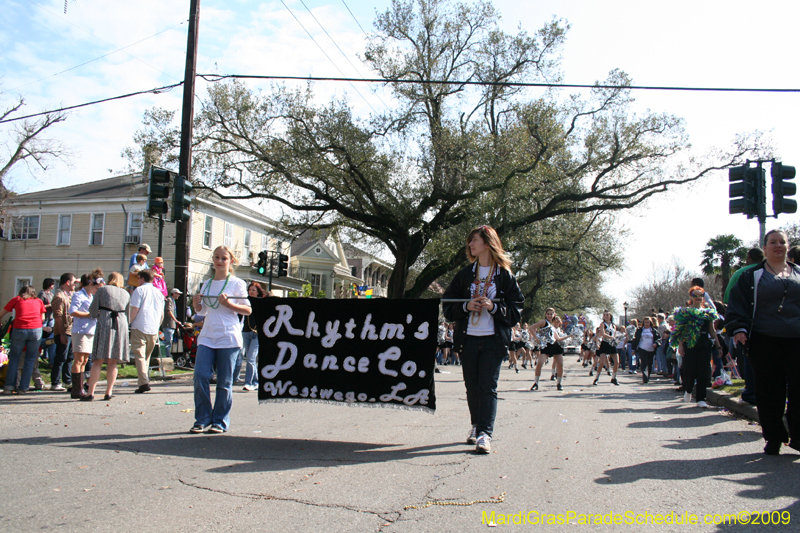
column 625, row 306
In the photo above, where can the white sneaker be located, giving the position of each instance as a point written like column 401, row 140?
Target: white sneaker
column 701, row 404
column 58, row 388
column 687, row 397
column 473, row 435
column 484, row 444
column 248, row 388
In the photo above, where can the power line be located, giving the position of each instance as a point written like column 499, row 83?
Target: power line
column 354, row 17
column 340, row 50
column 93, row 60
column 326, row 54
column 219, row 77
column 157, row 90
column 98, row 38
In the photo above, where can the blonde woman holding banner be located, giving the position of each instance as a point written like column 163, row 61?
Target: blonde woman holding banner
column 220, row 300
column 490, row 304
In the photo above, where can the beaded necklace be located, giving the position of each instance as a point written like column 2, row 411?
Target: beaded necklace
column 207, row 300
column 477, row 291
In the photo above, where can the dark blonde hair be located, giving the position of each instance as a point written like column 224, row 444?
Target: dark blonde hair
column 116, row 279
column 492, row 240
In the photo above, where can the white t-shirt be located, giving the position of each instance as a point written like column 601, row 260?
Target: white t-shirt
column 646, row 342
column 482, row 326
column 221, row 327
column 150, row 302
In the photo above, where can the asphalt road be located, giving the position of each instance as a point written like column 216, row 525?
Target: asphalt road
column 130, row 465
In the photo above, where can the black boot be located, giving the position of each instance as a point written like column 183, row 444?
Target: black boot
column 76, row 392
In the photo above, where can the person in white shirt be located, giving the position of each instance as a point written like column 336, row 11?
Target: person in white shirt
column 220, row 299
column 147, row 313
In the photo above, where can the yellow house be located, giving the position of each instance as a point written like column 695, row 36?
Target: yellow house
column 102, row 224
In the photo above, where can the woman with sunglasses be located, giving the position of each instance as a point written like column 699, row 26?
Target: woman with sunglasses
column 764, row 315
column 492, row 304
column 694, row 336
column 83, row 329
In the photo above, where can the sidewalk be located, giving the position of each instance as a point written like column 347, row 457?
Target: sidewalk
column 732, row 403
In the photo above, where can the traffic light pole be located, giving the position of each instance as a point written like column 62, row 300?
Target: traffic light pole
column 185, row 157
column 761, row 185
column 160, row 234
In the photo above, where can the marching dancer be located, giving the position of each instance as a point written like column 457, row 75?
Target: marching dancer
column 607, row 331
column 550, row 338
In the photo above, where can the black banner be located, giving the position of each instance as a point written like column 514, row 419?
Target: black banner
column 357, row 352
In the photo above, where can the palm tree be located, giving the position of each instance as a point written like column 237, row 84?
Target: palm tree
column 722, row 256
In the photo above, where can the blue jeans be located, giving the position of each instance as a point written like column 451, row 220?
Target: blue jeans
column 629, row 356
column 62, row 363
column 207, row 359
column 169, row 335
column 480, row 364
column 27, row 340
column 249, row 352
column 49, row 350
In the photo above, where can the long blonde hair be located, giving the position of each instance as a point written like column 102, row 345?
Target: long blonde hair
column 492, row 240
column 234, row 259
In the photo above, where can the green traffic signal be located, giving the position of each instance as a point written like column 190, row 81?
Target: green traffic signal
column 742, row 191
column 181, row 201
column 158, row 191
column 283, row 265
column 261, row 265
column 781, row 189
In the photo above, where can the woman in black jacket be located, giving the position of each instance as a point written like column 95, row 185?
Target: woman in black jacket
column 492, row 305
column 764, row 315
column 646, row 349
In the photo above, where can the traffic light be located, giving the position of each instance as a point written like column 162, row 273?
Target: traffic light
column 743, row 191
column 181, row 200
column 261, row 265
column 283, row 264
column 781, row 189
column 158, row 191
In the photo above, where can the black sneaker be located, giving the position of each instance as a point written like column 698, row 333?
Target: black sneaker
column 595, row 381
column 197, row 428
column 553, row 377
column 535, row 386
column 591, row 373
column 614, row 381
column 559, row 387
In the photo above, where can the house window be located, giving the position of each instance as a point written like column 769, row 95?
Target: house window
column 209, row 223
column 25, row 228
column 265, row 242
column 21, row 282
column 247, row 237
column 228, row 239
column 64, row 230
column 316, row 283
column 353, row 271
column 135, row 221
column 96, row 235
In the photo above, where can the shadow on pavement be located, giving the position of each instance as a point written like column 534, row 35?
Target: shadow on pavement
column 254, row 454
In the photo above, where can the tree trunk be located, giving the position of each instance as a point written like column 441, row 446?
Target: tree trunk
column 397, row 281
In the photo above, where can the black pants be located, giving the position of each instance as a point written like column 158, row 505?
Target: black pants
column 776, row 369
column 480, row 363
column 645, row 363
column 697, row 368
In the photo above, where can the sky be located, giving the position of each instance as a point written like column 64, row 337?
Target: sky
column 102, row 49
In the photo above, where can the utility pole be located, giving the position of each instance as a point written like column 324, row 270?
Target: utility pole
column 185, row 158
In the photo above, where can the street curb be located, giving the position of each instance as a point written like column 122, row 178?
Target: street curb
column 732, row 404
